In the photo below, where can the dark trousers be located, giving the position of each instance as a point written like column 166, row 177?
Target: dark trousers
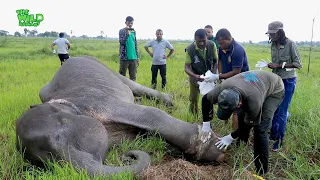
column 131, row 65
column 163, row 74
column 261, row 139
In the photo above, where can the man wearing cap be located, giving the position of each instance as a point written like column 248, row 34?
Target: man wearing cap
column 285, row 59
column 254, row 97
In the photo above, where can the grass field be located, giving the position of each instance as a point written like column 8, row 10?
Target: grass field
column 27, row 64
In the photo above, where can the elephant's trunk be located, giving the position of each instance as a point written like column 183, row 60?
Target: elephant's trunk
column 84, row 160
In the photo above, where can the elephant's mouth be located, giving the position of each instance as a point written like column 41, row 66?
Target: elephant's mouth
column 201, row 146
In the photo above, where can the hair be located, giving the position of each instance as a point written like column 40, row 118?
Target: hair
column 201, row 33
column 159, row 30
column 208, row 26
column 282, row 36
column 224, row 34
column 61, row 35
column 129, row 19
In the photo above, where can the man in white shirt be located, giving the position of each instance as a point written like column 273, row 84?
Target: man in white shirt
column 159, row 57
column 63, row 46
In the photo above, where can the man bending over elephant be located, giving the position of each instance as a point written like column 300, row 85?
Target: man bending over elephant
column 253, row 96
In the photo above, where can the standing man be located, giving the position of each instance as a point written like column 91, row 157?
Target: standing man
column 210, row 36
column 285, row 59
column 128, row 51
column 63, row 46
column 254, row 97
column 201, row 56
column 159, row 57
column 232, row 60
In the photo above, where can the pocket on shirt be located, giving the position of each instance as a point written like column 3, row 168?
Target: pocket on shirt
column 284, row 59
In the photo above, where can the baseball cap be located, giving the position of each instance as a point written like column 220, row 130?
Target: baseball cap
column 274, row 26
column 228, row 101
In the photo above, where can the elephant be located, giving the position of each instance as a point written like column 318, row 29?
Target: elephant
column 87, row 108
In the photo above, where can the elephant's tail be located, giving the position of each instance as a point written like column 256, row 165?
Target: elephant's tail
column 85, row 161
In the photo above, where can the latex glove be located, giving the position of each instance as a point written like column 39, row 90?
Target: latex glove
column 54, row 51
column 211, row 78
column 224, row 142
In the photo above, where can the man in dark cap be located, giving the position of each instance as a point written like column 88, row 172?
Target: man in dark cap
column 253, row 96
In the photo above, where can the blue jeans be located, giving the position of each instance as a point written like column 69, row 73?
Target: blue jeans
column 281, row 115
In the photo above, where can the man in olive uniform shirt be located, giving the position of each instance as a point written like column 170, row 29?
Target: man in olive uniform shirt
column 254, row 97
column 201, row 56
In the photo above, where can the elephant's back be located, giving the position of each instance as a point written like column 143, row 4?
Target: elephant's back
column 86, row 77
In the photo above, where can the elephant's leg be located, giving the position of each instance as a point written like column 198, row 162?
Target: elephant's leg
column 181, row 134
column 139, row 90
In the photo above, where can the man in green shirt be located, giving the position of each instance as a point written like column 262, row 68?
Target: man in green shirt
column 253, row 96
column 210, row 36
column 128, row 51
column 201, row 56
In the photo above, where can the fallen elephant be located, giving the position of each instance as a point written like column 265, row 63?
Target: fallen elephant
column 88, row 107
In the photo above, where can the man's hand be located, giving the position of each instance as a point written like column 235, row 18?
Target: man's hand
column 211, row 78
column 274, row 65
column 199, row 78
column 224, row 142
column 165, row 57
column 138, row 62
column 151, row 54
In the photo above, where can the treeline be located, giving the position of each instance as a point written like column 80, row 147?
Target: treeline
column 54, row 34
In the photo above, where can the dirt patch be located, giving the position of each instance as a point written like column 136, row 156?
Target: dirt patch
column 179, row 169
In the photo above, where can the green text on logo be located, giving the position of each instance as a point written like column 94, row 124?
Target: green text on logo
column 26, row 19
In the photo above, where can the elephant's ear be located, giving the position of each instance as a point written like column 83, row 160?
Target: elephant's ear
column 34, row 105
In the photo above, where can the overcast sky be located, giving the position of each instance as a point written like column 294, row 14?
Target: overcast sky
column 245, row 19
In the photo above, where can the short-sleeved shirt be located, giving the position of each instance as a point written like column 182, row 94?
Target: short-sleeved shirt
column 159, row 50
column 234, row 57
column 131, row 47
column 287, row 53
column 254, row 86
column 202, row 53
column 62, row 45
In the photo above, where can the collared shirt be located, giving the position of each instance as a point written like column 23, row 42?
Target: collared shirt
column 234, row 57
column 202, row 53
column 286, row 53
column 159, row 50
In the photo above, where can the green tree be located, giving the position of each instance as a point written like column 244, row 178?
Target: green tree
column 25, row 31
column 17, row 34
column 4, row 33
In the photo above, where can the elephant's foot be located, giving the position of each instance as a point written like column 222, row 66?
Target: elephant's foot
column 202, row 146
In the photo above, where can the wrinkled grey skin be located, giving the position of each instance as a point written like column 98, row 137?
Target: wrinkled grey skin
column 87, row 108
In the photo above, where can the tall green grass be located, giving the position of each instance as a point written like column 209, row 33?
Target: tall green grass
column 27, row 64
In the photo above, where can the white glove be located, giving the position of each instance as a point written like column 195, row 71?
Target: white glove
column 211, row 78
column 54, row 51
column 224, row 142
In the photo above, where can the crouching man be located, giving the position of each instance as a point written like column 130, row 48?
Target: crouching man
column 253, row 97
